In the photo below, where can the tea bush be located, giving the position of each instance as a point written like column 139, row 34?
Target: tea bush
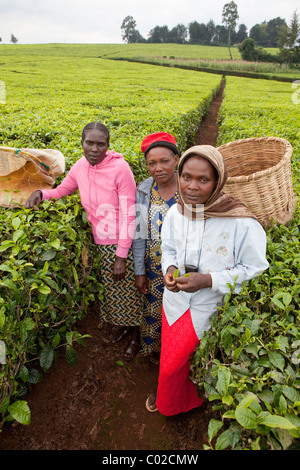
column 48, row 271
column 48, row 278
column 247, row 364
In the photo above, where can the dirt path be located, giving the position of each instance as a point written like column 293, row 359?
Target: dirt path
column 208, row 131
column 99, row 404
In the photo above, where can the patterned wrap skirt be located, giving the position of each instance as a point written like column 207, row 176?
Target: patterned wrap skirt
column 122, row 303
column 151, row 318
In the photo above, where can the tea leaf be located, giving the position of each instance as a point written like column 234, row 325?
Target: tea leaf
column 20, row 411
column 275, row 421
column 245, row 417
column 46, row 357
column 213, row 428
column 71, row 355
column 276, row 359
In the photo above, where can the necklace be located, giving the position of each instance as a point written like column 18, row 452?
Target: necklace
column 190, row 268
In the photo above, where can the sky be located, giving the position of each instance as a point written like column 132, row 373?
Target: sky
column 99, row 21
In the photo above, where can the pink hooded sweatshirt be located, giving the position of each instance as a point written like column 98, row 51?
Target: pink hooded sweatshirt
column 107, row 192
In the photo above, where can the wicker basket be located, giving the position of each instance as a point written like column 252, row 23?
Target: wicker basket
column 259, row 174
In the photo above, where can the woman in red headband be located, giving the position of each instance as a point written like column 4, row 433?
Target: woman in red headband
column 155, row 196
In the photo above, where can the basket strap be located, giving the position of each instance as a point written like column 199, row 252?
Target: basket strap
column 22, row 153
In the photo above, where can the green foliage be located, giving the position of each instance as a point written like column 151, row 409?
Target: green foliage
column 48, row 263
column 229, row 18
column 49, row 110
column 289, row 40
column 266, row 63
column 129, row 32
column 248, row 365
column 248, row 362
column 48, row 278
column 256, row 54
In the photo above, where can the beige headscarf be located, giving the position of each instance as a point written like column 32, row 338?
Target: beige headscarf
column 219, row 204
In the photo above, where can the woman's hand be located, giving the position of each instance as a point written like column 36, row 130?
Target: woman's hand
column 169, row 280
column 141, row 284
column 193, row 282
column 119, row 268
column 34, row 200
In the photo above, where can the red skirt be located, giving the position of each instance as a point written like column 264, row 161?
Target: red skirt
column 176, row 393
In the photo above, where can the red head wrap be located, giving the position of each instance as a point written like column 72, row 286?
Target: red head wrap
column 160, row 139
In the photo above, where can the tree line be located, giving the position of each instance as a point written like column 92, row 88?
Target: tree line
column 265, row 34
column 273, row 33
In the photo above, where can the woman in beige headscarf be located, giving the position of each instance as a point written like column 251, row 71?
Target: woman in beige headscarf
column 218, row 242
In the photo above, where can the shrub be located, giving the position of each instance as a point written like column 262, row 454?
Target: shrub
column 256, row 54
column 48, row 278
column 247, row 364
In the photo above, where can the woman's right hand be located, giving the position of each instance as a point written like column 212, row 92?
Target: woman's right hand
column 34, row 200
column 169, row 280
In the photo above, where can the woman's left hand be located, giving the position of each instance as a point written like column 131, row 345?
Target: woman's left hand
column 193, row 282
column 141, row 284
column 119, row 268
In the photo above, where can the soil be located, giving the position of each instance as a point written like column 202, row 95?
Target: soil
column 99, row 404
column 208, row 130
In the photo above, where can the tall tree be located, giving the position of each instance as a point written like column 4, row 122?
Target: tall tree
column 201, row 33
column 210, row 30
column 289, row 39
column 273, row 30
column 198, row 33
column 159, row 34
column 241, row 34
column 129, row 32
column 178, row 34
column 229, row 18
column 220, row 36
column 259, row 34
column 266, row 34
column 13, row 39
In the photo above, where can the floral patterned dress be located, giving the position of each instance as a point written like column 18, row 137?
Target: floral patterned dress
column 152, row 309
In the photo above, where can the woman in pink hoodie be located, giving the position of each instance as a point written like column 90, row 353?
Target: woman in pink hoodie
column 107, row 191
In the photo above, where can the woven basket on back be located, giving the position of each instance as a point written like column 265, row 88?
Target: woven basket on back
column 259, row 174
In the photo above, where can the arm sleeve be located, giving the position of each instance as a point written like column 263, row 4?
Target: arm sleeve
column 168, row 247
column 67, row 187
column 140, row 236
column 127, row 195
column 250, row 258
